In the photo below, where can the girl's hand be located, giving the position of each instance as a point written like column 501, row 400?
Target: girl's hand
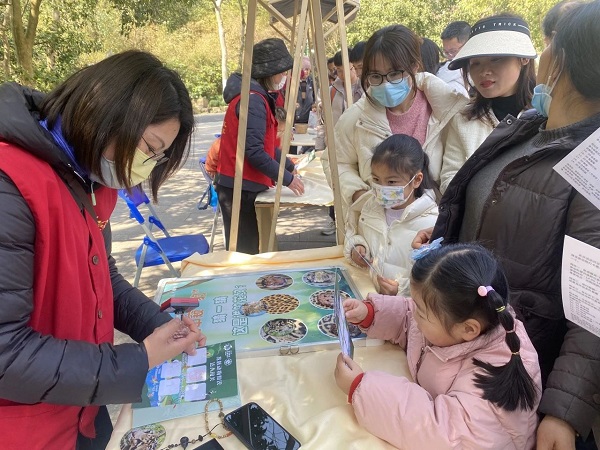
column 555, row 434
column 356, row 310
column 346, row 370
column 422, row 237
column 359, row 254
column 297, row 186
column 387, row 286
column 171, row 339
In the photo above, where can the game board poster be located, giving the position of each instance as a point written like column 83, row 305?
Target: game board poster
column 182, row 386
column 272, row 312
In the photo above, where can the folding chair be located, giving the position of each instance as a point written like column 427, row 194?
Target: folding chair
column 155, row 251
column 212, row 194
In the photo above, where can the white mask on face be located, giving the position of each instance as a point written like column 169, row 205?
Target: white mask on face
column 281, row 84
column 391, row 196
column 140, row 171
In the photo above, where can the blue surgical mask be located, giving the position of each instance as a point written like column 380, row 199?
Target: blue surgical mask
column 542, row 95
column 391, row 94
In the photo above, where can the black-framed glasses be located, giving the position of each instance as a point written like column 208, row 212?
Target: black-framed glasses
column 159, row 158
column 394, row 77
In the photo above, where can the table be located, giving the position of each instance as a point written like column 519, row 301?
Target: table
column 316, row 192
column 299, row 391
column 304, row 139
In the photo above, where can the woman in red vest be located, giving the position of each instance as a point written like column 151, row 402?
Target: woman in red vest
column 270, row 61
column 63, row 156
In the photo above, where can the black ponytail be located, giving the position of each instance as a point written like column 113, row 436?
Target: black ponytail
column 450, row 280
column 508, row 386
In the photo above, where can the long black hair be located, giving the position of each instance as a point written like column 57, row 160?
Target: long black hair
column 404, row 154
column 449, row 279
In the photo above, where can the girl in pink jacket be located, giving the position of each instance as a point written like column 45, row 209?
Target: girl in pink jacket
column 476, row 375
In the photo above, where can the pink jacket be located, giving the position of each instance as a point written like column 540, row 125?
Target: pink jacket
column 443, row 409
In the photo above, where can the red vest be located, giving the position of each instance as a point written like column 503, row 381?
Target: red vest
column 72, row 293
column 226, row 165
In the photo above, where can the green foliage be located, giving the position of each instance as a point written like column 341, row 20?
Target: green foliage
column 171, row 13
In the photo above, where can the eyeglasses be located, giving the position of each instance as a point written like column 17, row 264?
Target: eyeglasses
column 159, row 158
column 450, row 53
column 340, row 70
column 394, row 77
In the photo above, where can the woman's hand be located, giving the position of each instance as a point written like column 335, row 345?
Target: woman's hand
column 346, row 370
column 171, row 339
column 555, row 434
column 358, row 194
column 356, row 310
column 387, row 286
column 358, row 255
column 297, row 186
column 422, row 237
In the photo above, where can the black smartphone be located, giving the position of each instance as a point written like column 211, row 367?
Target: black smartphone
column 213, row 444
column 258, row 430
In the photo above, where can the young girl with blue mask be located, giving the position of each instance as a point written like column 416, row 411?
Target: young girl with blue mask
column 400, row 203
column 476, row 376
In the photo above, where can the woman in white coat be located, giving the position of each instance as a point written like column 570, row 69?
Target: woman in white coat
column 497, row 63
column 399, row 99
column 400, row 203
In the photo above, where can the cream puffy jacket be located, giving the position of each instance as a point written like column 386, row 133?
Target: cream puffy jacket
column 364, row 125
column 464, row 137
column 389, row 246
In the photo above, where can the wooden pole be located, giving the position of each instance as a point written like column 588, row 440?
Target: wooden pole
column 344, row 44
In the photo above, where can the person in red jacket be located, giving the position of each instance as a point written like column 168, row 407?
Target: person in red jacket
column 270, row 61
column 63, row 157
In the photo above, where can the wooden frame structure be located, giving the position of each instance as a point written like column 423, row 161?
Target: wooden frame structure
column 304, row 21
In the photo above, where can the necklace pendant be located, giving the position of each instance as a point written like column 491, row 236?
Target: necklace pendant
column 184, row 442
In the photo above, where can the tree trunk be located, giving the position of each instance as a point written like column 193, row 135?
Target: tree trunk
column 25, row 37
column 217, row 4
column 5, row 42
column 242, row 34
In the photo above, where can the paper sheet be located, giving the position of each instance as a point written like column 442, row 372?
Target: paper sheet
column 581, row 284
column 581, row 168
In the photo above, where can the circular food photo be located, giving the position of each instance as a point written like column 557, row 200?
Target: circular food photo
column 323, row 299
column 328, row 327
column 147, row 437
column 283, row 331
column 280, row 303
column 252, row 309
column 274, row 281
column 320, row 278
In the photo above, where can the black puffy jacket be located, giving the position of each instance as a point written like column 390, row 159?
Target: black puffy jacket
column 524, row 221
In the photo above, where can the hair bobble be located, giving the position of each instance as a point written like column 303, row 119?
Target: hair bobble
column 501, row 309
column 483, row 290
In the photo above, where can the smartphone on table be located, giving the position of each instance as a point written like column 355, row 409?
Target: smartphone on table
column 258, row 430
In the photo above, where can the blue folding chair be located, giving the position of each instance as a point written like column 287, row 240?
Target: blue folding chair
column 156, row 251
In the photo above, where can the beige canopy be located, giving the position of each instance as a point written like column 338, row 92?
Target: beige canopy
column 302, row 20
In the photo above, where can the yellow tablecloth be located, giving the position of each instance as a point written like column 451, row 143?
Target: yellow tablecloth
column 299, row 391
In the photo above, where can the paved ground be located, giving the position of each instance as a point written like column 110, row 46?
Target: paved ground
column 297, row 228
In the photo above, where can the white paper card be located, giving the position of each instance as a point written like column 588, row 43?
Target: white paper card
column 171, row 369
column 195, row 392
column 581, row 284
column 581, row 168
column 195, row 374
column 169, row 387
column 198, row 359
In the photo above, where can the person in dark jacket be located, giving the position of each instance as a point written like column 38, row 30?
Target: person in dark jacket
column 306, row 93
column 270, row 61
column 62, row 158
column 508, row 197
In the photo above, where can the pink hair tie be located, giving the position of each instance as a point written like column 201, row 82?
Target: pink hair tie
column 483, row 290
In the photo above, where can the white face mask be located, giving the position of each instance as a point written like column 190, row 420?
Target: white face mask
column 281, row 84
column 141, row 168
column 391, row 196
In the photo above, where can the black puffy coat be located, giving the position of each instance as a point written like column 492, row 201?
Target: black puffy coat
column 524, row 221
